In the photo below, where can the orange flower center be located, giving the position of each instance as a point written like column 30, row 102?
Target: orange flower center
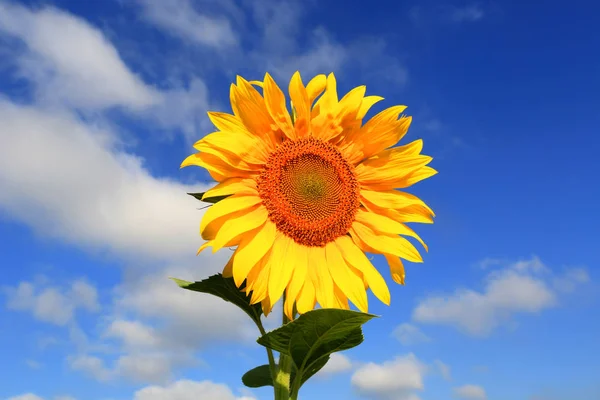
column 310, row 191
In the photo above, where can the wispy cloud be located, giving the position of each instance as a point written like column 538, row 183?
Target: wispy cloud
column 52, row 304
column 470, row 392
column 443, row 369
column 522, row 287
column 337, row 364
column 428, row 16
column 398, row 379
column 469, row 13
column 183, row 19
column 187, row 389
column 71, row 62
column 280, row 39
column 409, row 334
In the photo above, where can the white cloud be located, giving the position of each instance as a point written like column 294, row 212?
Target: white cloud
column 133, row 333
column 181, row 18
column 398, row 379
column 337, row 363
column 409, row 334
column 571, row 279
column 71, row 61
column 27, row 396
column 424, row 16
column 52, row 304
column 84, row 295
column 135, row 367
column 470, row 392
column 31, row 396
column 145, row 367
column 323, row 56
column 482, row 369
column 184, row 312
column 522, row 287
column 183, row 107
column 125, row 210
column 284, row 40
column 33, row 364
column 150, row 353
column 92, row 366
column 443, row 369
column 188, row 390
column 470, row 13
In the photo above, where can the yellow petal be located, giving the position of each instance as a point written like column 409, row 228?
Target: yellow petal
column 366, row 105
column 252, row 250
column 350, row 104
column 235, row 227
column 261, row 283
column 251, row 279
column 228, row 206
column 315, row 87
column 413, row 213
column 250, row 149
column 350, row 284
column 386, row 225
column 213, row 227
column 249, row 106
column 359, row 260
column 329, row 101
column 299, row 98
column 232, row 186
column 412, row 148
column 306, row 298
column 298, row 278
column 321, row 277
column 219, row 168
column 389, row 169
column 267, row 305
column 419, row 175
column 283, row 260
column 396, row 268
column 275, row 102
column 341, row 301
column 228, row 270
column 384, row 244
column 380, row 132
column 227, row 122
column 393, row 199
column 204, row 246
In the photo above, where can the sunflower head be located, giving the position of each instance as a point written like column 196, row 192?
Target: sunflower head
column 309, row 193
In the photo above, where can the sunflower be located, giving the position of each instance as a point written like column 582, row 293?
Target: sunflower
column 309, row 193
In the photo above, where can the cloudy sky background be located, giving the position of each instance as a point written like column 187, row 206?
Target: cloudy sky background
column 101, row 100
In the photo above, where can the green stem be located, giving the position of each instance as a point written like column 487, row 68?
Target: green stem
column 272, row 365
column 295, row 389
column 282, row 378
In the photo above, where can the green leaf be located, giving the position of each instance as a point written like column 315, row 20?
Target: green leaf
column 310, row 339
column 315, row 367
column 214, row 199
column 224, row 288
column 258, row 377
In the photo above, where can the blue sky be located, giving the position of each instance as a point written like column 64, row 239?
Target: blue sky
column 100, row 102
